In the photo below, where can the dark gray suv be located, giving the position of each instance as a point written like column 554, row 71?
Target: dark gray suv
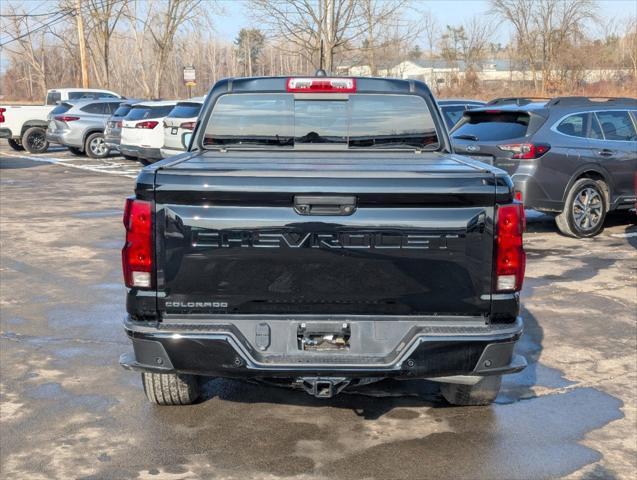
column 575, row 157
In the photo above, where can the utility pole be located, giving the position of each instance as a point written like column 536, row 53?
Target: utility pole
column 81, row 41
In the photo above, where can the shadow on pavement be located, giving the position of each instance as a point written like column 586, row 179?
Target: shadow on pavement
column 7, row 163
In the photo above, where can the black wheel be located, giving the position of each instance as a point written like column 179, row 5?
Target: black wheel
column 76, row 151
column 585, row 209
column 170, row 388
column 34, row 140
column 129, row 157
column 95, row 146
column 16, row 145
column 482, row 393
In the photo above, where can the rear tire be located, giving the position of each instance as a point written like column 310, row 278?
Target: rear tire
column 482, row 393
column 95, row 147
column 76, row 151
column 16, row 145
column 170, row 388
column 584, row 210
column 34, row 140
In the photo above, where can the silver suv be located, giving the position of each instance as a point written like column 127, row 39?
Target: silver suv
column 79, row 125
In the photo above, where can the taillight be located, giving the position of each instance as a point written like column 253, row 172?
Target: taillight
column 321, row 85
column 118, row 124
column 148, row 124
column 526, row 151
column 65, row 118
column 2, row 110
column 188, row 125
column 137, row 254
column 510, row 259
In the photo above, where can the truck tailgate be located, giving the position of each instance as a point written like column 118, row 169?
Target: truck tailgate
column 406, row 235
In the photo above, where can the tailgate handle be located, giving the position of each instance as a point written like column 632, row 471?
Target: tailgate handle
column 324, row 205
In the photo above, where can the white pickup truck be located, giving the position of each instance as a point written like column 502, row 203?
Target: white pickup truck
column 25, row 125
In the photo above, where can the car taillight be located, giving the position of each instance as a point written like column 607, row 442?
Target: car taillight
column 321, row 85
column 188, row 125
column 118, row 124
column 2, row 110
column 526, row 151
column 137, row 254
column 65, row 118
column 510, row 259
column 148, row 124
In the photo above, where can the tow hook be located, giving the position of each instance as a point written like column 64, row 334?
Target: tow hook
column 323, row 387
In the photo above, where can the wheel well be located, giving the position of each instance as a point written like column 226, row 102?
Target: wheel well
column 32, row 123
column 593, row 175
column 90, row 132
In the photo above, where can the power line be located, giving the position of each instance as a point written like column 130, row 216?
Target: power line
column 55, row 21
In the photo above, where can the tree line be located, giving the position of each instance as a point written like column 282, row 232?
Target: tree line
column 139, row 47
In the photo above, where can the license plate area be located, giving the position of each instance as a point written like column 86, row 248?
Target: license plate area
column 173, row 131
column 323, row 336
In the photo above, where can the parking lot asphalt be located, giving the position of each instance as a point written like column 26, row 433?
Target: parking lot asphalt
column 69, row 411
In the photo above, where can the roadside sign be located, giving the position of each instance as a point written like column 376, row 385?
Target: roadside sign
column 190, row 78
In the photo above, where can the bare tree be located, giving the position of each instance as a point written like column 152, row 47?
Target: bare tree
column 383, row 22
column 308, row 24
column 431, row 31
column 103, row 18
column 545, row 29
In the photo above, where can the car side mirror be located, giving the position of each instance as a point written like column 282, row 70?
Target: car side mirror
column 185, row 140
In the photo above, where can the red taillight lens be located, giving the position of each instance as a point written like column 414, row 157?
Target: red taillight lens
column 118, row 124
column 148, row 124
column 137, row 254
column 510, row 259
column 321, row 85
column 2, row 110
column 65, row 118
column 188, row 125
column 526, row 151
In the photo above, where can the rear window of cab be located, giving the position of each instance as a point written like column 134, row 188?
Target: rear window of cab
column 353, row 121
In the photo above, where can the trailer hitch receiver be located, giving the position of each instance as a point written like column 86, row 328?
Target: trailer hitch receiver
column 323, row 387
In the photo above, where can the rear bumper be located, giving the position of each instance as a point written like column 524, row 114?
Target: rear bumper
column 150, row 154
column 534, row 196
column 219, row 349
column 112, row 141
column 5, row 133
column 63, row 139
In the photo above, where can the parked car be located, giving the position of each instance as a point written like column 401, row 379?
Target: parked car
column 452, row 109
column 113, row 130
column 180, row 120
column 79, row 125
column 142, row 130
column 25, row 125
column 573, row 157
column 320, row 233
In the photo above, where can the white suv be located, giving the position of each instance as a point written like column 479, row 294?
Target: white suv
column 180, row 121
column 142, row 132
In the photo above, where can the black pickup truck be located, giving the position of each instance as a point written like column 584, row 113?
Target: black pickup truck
column 318, row 233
